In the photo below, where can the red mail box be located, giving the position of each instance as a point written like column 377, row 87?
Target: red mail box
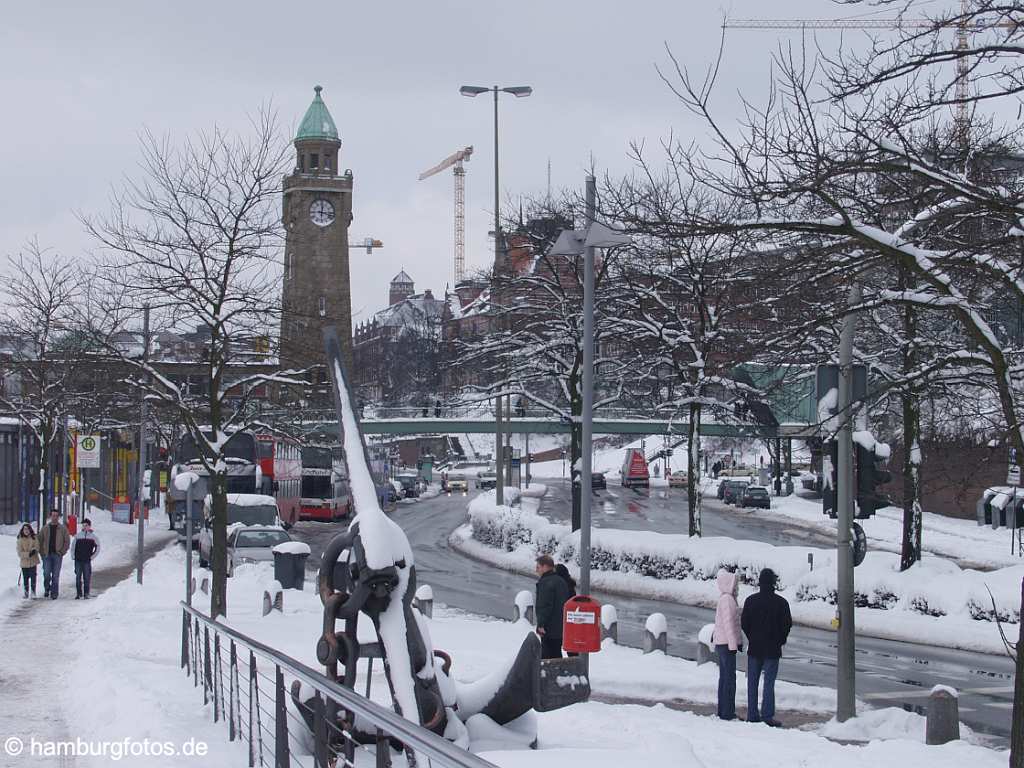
column 581, row 625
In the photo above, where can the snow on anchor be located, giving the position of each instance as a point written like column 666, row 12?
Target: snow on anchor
column 369, row 571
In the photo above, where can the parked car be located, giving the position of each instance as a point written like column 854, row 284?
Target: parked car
column 410, row 483
column 755, row 496
column 598, row 481
column 733, row 490
column 243, row 509
column 486, row 480
column 457, row 483
column 679, row 479
column 253, row 544
column 634, row 469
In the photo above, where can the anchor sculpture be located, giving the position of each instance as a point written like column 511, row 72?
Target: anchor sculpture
column 368, row 571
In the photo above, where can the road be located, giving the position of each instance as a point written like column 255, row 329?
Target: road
column 665, row 510
column 889, row 673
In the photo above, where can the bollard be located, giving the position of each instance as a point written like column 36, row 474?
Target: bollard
column 424, row 600
column 706, row 645
column 943, row 720
column 656, row 633
column 205, row 586
column 192, row 586
column 609, row 623
column 279, row 601
column 268, row 604
column 524, row 607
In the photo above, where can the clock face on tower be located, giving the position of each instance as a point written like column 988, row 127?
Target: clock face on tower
column 321, row 212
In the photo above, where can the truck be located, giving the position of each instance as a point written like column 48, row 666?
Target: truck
column 634, row 469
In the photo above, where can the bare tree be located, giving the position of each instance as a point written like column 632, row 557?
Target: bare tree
column 198, row 239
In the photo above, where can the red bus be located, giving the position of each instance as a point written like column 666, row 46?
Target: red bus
column 280, row 466
column 325, row 491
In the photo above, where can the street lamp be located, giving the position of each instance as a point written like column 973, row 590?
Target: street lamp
column 519, row 91
column 573, row 242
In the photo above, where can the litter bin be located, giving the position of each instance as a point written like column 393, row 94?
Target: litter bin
column 290, row 564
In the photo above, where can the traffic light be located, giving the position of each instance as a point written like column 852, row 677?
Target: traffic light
column 869, row 476
column 829, row 475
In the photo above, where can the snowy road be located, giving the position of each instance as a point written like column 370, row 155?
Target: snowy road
column 890, row 673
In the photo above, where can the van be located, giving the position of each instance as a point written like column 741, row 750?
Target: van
column 634, row 469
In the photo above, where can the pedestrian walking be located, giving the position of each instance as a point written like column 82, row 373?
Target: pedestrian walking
column 562, row 571
column 728, row 641
column 53, row 541
column 85, row 547
column 28, row 558
column 766, row 622
column 437, row 410
column 552, row 592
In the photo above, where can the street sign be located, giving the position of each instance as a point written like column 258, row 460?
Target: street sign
column 121, row 512
column 88, row 451
column 860, row 545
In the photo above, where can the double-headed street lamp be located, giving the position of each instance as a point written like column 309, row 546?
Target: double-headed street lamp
column 519, row 91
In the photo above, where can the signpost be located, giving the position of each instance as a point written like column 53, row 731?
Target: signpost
column 87, row 451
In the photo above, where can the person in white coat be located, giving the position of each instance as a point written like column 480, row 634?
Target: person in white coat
column 728, row 641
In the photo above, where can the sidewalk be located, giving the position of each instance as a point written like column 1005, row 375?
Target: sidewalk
column 39, row 639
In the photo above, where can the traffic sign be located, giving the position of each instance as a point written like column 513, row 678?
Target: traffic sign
column 88, row 451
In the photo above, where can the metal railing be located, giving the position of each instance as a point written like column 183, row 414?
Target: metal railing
column 256, row 709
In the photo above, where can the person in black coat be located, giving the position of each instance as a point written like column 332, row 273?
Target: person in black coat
column 552, row 592
column 766, row 622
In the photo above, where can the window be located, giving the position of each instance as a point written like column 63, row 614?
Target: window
column 327, row 163
column 314, row 161
column 322, row 306
column 302, row 163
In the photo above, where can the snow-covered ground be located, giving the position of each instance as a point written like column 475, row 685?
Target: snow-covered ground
column 118, row 544
column 138, row 691
column 936, row 602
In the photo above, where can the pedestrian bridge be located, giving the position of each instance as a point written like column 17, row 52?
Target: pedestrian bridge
column 476, row 420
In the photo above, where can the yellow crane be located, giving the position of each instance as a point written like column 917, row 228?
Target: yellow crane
column 455, row 161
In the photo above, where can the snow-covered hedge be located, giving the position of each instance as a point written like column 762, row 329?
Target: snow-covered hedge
column 935, row 587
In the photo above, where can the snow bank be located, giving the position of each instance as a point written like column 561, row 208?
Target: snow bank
column 680, row 567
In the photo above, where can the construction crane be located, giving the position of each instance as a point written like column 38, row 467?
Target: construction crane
column 456, row 160
column 961, row 117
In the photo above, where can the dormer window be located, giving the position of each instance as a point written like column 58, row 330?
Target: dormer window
column 314, row 161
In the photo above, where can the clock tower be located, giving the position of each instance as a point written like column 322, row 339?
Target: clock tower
column 316, row 210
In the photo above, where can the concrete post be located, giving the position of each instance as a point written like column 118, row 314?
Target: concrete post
column 609, row 623
column 656, row 633
column 424, row 600
column 705, row 645
column 943, row 722
column 524, row 607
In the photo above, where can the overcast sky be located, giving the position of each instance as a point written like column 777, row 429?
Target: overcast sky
column 81, row 79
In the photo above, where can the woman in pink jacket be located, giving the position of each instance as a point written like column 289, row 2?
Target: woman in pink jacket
column 728, row 640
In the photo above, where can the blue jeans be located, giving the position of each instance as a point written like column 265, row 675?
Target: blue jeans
column 51, row 574
column 83, row 576
column 726, row 682
column 755, row 668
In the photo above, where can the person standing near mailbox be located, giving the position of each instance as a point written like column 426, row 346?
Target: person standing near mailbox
column 766, row 622
column 728, row 642
column 552, row 592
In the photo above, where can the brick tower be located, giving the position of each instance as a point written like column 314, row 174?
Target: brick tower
column 317, row 211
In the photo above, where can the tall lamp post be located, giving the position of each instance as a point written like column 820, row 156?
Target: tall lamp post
column 574, row 242
column 519, row 91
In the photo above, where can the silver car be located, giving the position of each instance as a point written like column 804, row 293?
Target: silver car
column 253, row 544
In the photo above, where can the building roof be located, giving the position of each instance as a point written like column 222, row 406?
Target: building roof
column 401, row 277
column 422, row 307
column 317, row 123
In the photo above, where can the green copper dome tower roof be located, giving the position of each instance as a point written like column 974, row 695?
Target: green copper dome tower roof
column 317, row 124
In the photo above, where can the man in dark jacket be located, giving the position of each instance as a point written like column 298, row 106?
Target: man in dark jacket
column 85, row 546
column 766, row 623
column 552, row 592
column 54, row 541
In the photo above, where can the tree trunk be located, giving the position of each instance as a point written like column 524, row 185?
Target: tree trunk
column 1017, row 724
column 693, row 493
column 910, row 551
column 219, row 552
column 578, row 486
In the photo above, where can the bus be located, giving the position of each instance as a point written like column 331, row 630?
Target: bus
column 280, row 466
column 240, row 455
column 325, row 490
